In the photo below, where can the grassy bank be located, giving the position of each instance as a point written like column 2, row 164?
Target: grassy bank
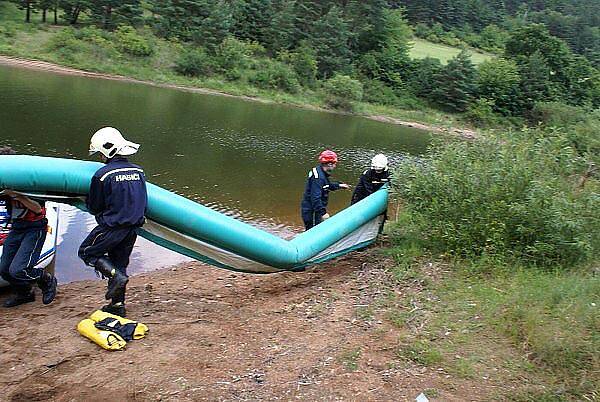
column 531, row 334
column 496, row 259
column 98, row 51
column 421, row 49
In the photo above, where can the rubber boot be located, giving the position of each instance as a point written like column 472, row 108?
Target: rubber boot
column 48, row 285
column 116, row 309
column 20, row 298
column 116, row 279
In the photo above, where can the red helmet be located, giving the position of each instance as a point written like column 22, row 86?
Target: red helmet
column 328, row 156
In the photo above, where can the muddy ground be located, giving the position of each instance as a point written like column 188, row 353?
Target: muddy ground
column 222, row 336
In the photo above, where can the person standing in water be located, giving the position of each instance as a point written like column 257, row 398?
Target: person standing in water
column 118, row 199
column 318, row 186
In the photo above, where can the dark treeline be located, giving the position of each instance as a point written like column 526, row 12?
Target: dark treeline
column 359, row 49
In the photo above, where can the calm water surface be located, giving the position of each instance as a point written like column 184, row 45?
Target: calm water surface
column 246, row 159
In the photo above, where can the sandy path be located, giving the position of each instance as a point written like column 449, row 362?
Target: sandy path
column 230, row 337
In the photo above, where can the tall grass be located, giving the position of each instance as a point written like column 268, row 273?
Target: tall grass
column 518, row 196
column 553, row 317
column 519, row 215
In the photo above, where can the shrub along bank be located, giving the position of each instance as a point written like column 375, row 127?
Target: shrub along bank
column 517, row 217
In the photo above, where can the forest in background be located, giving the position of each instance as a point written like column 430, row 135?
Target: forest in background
column 514, row 213
column 353, row 51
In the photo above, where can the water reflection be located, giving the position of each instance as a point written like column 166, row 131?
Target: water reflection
column 246, row 159
column 73, row 227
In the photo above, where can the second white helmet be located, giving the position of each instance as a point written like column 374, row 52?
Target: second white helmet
column 379, row 162
column 109, row 142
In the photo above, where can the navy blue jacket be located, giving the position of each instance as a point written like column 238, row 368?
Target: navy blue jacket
column 118, row 194
column 369, row 182
column 316, row 192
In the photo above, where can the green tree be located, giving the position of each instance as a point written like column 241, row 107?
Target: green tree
column 129, row 41
column 456, row 84
column 303, row 60
column 307, row 12
column 202, row 21
column 268, row 22
column 44, row 6
column 341, row 91
column 390, row 61
column 535, row 38
column 253, row 19
column 493, row 38
column 498, row 81
column 583, row 82
column 368, row 23
column 587, row 43
column 195, row 62
column 423, row 75
column 28, row 5
column 535, row 85
column 558, row 24
column 331, row 40
column 110, row 13
column 49, row 5
column 282, row 29
column 73, row 9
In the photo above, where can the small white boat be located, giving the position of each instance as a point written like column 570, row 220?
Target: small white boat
column 48, row 254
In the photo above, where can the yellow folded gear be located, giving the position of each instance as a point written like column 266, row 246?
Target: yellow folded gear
column 106, row 339
column 139, row 331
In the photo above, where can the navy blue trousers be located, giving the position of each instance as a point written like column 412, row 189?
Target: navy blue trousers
column 21, row 252
column 116, row 244
column 311, row 218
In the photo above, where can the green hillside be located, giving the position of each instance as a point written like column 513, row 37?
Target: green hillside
column 421, row 49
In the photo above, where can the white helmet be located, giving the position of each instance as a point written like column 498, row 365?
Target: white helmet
column 379, row 162
column 109, row 142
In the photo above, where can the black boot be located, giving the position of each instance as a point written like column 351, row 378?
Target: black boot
column 48, row 285
column 116, row 279
column 116, row 309
column 19, row 298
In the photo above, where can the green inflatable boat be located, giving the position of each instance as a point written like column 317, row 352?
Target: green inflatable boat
column 199, row 232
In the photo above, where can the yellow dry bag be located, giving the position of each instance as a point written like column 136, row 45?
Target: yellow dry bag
column 128, row 329
column 107, row 339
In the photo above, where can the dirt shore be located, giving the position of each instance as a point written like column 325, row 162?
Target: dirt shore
column 216, row 335
column 55, row 68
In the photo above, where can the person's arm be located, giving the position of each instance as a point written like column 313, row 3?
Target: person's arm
column 316, row 191
column 95, row 201
column 359, row 190
column 336, row 185
column 26, row 201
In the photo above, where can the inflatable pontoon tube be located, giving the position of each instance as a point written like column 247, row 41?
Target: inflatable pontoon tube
column 199, row 232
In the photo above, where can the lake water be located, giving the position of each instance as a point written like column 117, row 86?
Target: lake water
column 246, row 159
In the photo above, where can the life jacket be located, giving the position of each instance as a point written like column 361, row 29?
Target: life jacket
column 19, row 212
column 4, row 218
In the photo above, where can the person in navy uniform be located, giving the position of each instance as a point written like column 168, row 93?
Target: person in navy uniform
column 118, row 200
column 22, row 246
column 372, row 179
column 318, row 186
